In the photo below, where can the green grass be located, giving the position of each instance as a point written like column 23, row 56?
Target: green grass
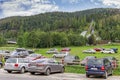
column 74, row 69
column 78, row 51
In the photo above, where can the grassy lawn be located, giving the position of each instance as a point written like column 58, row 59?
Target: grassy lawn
column 78, row 51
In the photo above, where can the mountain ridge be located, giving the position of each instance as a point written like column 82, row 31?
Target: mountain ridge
column 105, row 19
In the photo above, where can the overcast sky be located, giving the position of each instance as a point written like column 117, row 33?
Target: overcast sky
column 31, row 7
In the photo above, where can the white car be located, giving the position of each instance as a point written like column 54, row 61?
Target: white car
column 108, row 51
column 16, row 64
column 89, row 51
column 53, row 50
column 60, row 55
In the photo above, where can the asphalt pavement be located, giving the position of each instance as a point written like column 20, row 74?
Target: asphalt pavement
column 57, row 76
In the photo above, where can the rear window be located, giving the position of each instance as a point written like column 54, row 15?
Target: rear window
column 11, row 60
column 94, row 62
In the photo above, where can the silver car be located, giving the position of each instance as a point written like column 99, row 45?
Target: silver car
column 60, row 55
column 84, row 61
column 45, row 66
column 53, row 50
column 70, row 59
column 16, row 64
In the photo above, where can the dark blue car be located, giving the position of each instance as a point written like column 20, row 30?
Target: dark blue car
column 115, row 50
column 98, row 67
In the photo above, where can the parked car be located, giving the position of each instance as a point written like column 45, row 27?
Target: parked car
column 1, row 64
column 53, row 50
column 108, row 51
column 70, row 59
column 115, row 50
column 84, row 61
column 60, row 55
column 19, row 52
column 65, row 49
column 16, row 64
column 98, row 49
column 4, row 52
column 30, row 51
column 89, row 51
column 45, row 66
column 98, row 67
column 113, row 61
column 34, row 56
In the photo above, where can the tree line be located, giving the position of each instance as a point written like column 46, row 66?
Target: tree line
column 41, row 39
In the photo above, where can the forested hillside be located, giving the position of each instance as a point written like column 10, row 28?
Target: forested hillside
column 107, row 23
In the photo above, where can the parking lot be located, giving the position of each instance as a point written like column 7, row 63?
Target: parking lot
column 59, row 76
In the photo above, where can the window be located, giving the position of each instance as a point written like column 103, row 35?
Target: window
column 94, row 61
column 20, row 61
column 26, row 61
column 106, row 62
column 11, row 60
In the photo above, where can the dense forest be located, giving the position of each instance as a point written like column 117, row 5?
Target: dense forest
column 61, row 28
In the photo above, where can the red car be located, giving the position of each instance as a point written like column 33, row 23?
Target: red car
column 66, row 49
column 98, row 49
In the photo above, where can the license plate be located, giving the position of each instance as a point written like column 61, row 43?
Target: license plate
column 94, row 68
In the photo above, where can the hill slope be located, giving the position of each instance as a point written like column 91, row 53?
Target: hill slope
column 107, row 21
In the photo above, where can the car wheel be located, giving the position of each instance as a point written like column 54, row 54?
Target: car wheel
column 9, row 71
column 87, row 76
column 47, row 72
column 0, row 65
column 62, row 70
column 106, row 75
column 22, row 70
column 32, row 73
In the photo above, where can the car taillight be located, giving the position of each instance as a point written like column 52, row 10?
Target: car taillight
column 102, row 68
column 16, row 65
column 86, row 67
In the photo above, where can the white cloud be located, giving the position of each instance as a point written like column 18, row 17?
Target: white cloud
column 111, row 2
column 71, row 1
column 27, row 7
column 115, row 3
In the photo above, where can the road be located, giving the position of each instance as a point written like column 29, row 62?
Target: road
column 58, row 76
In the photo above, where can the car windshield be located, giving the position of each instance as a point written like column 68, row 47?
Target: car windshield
column 11, row 60
column 94, row 62
column 14, row 53
column 108, row 49
column 111, row 58
column 69, row 57
column 90, row 57
column 51, row 49
column 33, row 55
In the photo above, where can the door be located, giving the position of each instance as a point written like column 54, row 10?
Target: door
column 55, row 67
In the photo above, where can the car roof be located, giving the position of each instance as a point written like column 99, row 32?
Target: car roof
column 43, row 59
column 97, row 59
